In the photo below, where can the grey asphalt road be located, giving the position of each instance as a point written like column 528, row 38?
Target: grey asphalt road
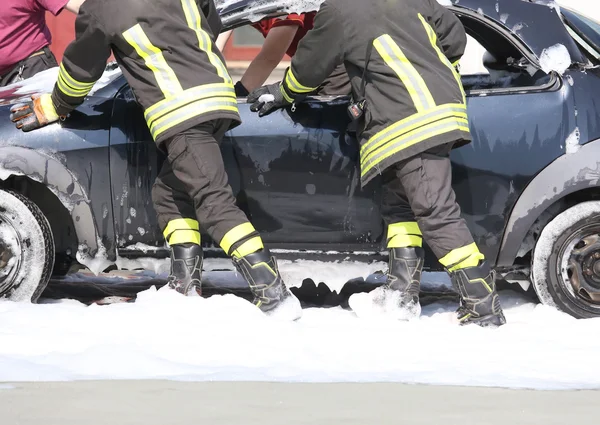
column 235, row 403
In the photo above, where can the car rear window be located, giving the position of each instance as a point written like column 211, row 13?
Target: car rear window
column 584, row 26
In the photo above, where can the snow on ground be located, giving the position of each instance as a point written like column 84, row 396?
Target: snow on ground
column 165, row 335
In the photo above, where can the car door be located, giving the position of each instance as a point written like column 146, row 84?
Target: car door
column 297, row 177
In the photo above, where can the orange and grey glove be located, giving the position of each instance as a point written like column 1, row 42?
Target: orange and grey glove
column 34, row 114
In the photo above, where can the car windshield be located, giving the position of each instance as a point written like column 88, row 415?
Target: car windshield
column 585, row 27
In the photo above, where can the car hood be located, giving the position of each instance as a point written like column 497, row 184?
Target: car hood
column 43, row 82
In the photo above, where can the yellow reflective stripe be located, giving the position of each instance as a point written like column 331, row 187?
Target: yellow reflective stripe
column 200, row 107
column 292, row 82
column 184, row 236
column 404, row 228
column 180, row 224
column 404, row 234
column 248, row 247
column 189, row 95
column 414, row 83
column 442, row 56
column 193, row 17
column 459, row 254
column 72, row 82
column 235, row 234
column 409, row 124
column 71, row 87
column 405, row 241
column 154, row 59
column 285, row 95
column 396, row 145
column 480, row 280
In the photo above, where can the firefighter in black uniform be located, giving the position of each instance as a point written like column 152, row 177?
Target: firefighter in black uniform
column 401, row 57
column 166, row 51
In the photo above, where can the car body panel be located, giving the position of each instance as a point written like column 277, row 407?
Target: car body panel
column 294, row 173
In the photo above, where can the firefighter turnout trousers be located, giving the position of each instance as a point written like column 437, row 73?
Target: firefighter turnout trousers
column 419, row 202
column 192, row 188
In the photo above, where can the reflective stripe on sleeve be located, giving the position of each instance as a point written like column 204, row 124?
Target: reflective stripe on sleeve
column 193, row 17
column 292, row 83
column 70, row 86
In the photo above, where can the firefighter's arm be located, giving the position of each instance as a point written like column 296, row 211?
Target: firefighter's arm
column 318, row 54
column 311, row 64
column 450, row 32
column 209, row 10
column 83, row 63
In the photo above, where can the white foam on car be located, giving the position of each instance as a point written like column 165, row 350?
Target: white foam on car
column 572, row 143
column 555, row 58
column 266, row 98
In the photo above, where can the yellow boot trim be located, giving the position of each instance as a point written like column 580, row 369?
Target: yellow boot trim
column 404, row 234
column 248, row 247
column 184, row 236
column 236, row 234
column 462, row 258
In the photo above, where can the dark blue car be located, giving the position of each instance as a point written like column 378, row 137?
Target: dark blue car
column 77, row 193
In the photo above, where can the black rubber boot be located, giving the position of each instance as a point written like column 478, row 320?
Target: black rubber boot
column 479, row 302
column 186, row 268
column 261, row 272
column 404, row 275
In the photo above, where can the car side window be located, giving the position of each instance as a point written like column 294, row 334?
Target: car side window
column 492, row 63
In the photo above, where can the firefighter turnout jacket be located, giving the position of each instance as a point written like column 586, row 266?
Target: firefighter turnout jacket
column 166, row 51
column 413, row 95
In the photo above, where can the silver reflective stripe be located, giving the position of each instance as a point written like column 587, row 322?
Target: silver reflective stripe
column 194, row 109
column 411, row 137
column 193, row 17
column 415, row 83
column 426, row 118
column 187, row 96
column 154, row 60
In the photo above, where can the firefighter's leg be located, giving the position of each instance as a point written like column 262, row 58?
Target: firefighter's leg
column 426, row 179
column 406, row 255
column 196, row 160
column 177, row 220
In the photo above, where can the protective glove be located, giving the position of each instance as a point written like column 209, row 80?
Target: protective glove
column 267, row 99
column 240, row 90
column 34, row 114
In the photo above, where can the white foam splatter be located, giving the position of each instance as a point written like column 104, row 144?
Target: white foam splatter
column 555, row 58
column 572, row 143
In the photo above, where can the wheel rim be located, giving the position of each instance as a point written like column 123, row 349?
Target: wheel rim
column 580, row 265
column 10, row 253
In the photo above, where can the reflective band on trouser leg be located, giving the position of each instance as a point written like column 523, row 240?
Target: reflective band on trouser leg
column 182, row 230
column 396, row 145
column 412, row 80
column 408, row 124
column 403, row 235
column 191, row 110
column 462, row 258
column 70, row 86
column 193, row 18
column 292, row 83
column 154, row 59
column 250, row 246
column 452, row 66
column 237, row 234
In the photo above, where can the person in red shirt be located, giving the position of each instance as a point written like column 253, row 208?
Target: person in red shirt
column 25, row 37
column 282, row 36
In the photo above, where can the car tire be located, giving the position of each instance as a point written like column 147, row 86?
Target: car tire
column 26, row 248
column 565, row 268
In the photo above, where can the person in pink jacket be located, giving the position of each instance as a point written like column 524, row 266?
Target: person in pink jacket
column 25, row 37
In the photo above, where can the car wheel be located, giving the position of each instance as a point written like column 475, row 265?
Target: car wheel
column 26, row 248
column 566, row 261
